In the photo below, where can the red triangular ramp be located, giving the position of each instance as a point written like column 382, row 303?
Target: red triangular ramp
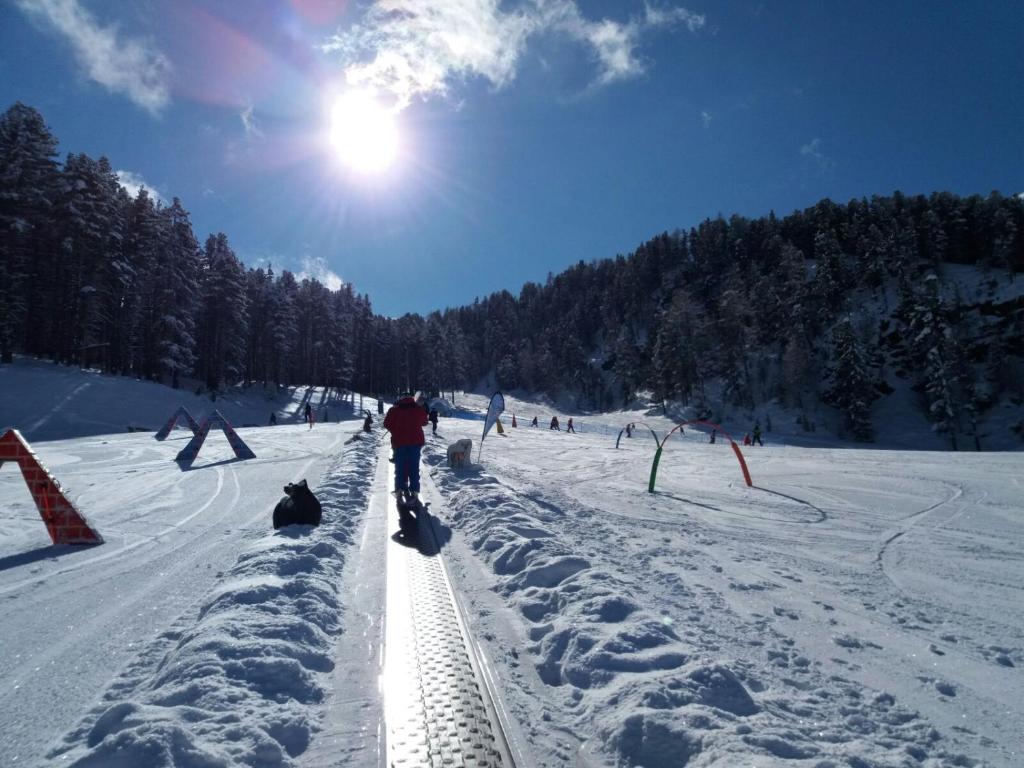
column 64, row 522
column 181, row 413
column 189, row 453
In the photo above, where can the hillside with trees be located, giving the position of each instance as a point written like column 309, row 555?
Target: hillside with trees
column 839, row 304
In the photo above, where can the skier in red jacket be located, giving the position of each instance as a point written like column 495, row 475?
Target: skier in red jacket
column 405, row 421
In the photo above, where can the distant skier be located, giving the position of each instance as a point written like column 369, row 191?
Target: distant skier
column 273, row 419
column 367, row 422
column 757, row 434
column 534, row 422
column 433, row 420
column 554, row 424
column 309, row 414
column 380, row 406
column 405, row 421
column 629, row 430
column 569, row 427
column 714, row 434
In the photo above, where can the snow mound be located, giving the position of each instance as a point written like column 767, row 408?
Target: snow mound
column 241, row 683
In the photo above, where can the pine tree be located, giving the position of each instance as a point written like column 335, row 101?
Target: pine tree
column 28, row 188
column 176, row 294
column 223, row 327
column 140, row 255
column 852, row 382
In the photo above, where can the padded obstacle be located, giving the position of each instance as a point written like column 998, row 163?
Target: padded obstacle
column 181, row 413
column 189, row 453
column 64, row 522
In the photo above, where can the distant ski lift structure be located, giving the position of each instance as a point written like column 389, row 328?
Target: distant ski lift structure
column 189, row 453
column 65, row 524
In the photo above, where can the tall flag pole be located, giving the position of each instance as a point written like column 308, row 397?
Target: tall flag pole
column 494, row 410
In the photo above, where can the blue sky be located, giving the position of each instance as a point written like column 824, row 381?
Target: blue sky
column 533, row 133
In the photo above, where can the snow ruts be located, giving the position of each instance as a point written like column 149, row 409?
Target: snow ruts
column 440, row 707
column 242, row 682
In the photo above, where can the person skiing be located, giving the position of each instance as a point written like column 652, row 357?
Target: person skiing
column 380, row 406
column 367, row 422
column 714, row 434
column 273, row 419
column 433, row 420
column 554, row 424
column 757, row 435
column 534, row 422
column 308, row 413
column 405, row 421
column 569, row 428
column 629, row 430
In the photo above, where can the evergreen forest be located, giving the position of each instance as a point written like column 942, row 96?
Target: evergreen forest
column 833, row 305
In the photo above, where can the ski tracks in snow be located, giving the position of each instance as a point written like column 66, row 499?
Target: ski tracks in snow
column 242, row 682
column 630, row 628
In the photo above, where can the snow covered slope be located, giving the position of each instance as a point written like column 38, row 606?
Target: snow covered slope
column 47, row 401
column 75, row 618
column 853, row 608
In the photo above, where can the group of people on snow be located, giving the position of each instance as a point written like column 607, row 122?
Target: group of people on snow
column 749, row 439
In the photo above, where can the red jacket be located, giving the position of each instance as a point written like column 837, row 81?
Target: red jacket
column 405, row 422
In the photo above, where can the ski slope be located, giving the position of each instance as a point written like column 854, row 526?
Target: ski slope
column 856, row 607
column 853, row 605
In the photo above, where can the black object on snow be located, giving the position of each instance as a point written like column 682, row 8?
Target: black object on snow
column 299, row 506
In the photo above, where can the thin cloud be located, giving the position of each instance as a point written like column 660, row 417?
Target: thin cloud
column 418, row 48
column 121, row 64
column 812, row 149
column 315, row 268
column 705, row 118
column 133, row 182
column 249, row 123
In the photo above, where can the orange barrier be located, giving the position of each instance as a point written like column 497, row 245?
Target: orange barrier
column 64, row 522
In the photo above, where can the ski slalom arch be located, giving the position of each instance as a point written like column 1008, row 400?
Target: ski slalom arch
column 735, row 449
column 644, row 423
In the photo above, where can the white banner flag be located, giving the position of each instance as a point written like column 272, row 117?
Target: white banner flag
column 494, row 410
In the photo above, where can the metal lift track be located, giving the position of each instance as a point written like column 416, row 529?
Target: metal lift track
column 438, row 708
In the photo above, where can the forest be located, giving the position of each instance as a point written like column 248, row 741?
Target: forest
column 825, row 305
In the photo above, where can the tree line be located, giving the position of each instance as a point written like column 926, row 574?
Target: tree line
column 834, row 304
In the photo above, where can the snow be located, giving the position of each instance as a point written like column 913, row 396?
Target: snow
column 856, row 607
column 852, row 606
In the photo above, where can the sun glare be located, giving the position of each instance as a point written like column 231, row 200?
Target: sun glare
column 363, row 132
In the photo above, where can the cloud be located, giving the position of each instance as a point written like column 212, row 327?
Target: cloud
column 418, row 48
column 315, row 268
column 121, row 64
column 812, row 149
column 252, row 128
column 705, row 118
column 133, row 182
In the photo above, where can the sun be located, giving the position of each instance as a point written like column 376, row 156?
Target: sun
column 363, row 132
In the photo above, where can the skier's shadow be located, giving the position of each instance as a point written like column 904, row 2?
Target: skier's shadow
column 422, row 532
